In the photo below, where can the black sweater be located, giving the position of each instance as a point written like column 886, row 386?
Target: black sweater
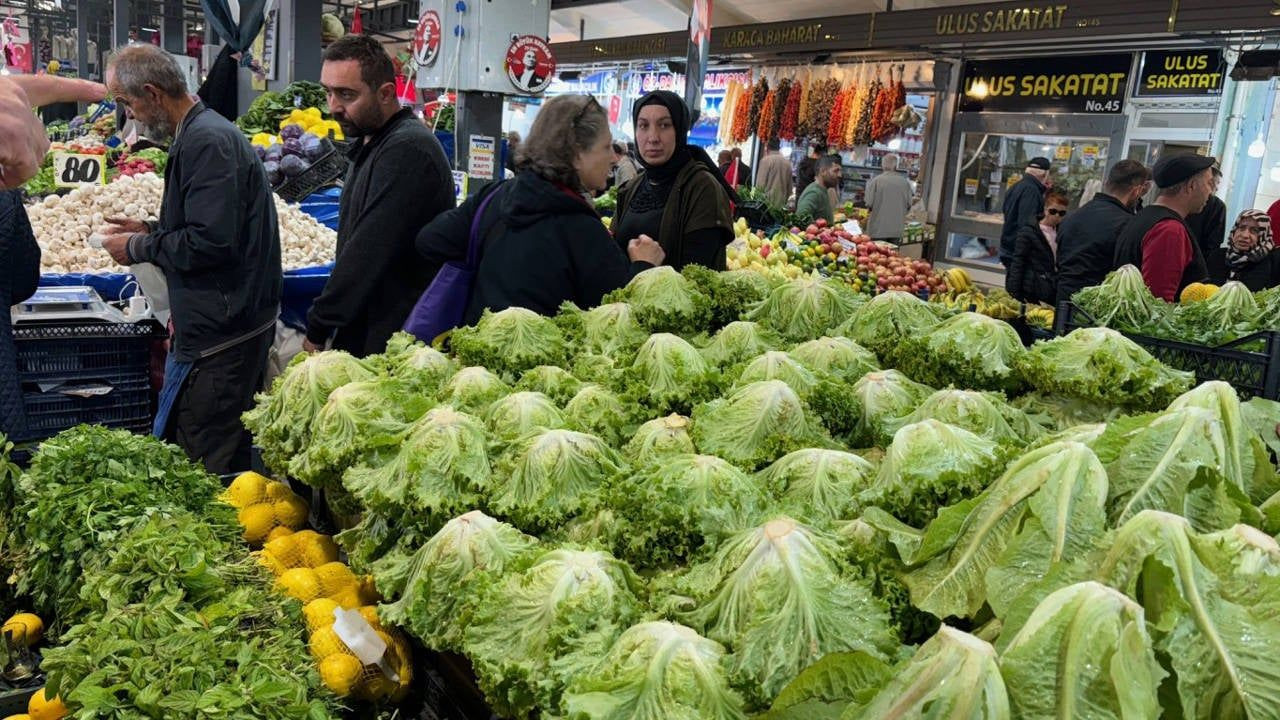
column 1087, row 242
column 1032, row 276
column 398, row 182
column 19, row 276
column 1256, row 276
column 551, row 248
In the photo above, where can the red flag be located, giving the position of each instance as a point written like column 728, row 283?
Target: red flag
column 357, row 26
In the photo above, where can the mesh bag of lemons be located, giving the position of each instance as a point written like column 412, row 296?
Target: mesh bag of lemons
column 266, row 509
column 342, row 670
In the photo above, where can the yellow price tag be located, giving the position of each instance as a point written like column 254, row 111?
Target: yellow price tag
column 75, row 170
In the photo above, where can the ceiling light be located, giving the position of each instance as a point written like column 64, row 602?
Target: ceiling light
column 149, row 29
column 1257, row 148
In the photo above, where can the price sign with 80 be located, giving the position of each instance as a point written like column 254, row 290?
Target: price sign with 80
column 75, row 170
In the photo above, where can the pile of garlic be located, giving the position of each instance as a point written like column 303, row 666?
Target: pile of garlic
column 62, row 225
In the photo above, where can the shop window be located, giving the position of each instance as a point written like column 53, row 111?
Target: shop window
column 990, row 164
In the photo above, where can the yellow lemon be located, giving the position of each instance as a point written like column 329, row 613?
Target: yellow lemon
column 276, row 491
column 291, row 512
column 300, row 584
column 319, row 550
column 326, row 643
column 341, row 673
column 278, row 532
column 247, row 489
column 25, row 628
column 334, row 576
column 41, row 708
column 257, row 520
column 319, row 613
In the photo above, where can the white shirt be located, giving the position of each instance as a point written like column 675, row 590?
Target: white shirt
column 1051, row 234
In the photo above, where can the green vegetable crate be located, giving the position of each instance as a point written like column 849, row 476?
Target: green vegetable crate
column 1250, row 364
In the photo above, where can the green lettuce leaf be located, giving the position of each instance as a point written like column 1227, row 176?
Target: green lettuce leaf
column 816, row 485
column 473, row 390
column 969, row 351
column 664, row 301
column 838, row 356
column 756, row 425
column 1103, row 366
column 659, row 438
column 549, row 476
column 887, row 321
column 824, row 689
column 738, row 342
column 884, row 398
column 519, row 413
column 509, row 342
column 670, row 375
column 807, row 307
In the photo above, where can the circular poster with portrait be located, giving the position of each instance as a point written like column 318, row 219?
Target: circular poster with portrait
column 530, row 64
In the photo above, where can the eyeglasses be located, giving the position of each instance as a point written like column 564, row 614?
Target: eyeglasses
column 1056, row 212
column 582, row 112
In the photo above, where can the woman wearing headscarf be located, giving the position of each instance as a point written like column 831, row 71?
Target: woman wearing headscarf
column 1250, row 255
column 680, row 199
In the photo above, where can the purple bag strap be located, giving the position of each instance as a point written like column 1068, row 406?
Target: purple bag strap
column 473, row 240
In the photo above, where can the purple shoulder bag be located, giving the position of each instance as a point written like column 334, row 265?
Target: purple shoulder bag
column 443, row 305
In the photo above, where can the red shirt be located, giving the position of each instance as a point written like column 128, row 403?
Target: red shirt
column 1166, row 253
column 1274, row 212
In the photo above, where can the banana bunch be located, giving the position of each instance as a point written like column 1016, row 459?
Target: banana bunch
column 1040, row 316
column 997, row 304
column 958, row 280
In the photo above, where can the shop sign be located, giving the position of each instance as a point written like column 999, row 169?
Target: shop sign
column 426, row 38
column 1026, row 18
column 715, row 82
column 1093, row 84
column 782, row 34
column 72, row 170
column 481, row 157
column 530, row 65
column 1181, row 72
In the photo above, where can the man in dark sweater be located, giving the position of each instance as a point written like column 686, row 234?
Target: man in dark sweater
column 399, row 180
column 19, row 276
column 1087, row 237
column 1157, row 241
column 218, row 244
column 1209, row 226
column 1024, row 205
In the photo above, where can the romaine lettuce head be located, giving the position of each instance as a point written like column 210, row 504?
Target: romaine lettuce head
column 681, row 504
column 663, row 300
column 757, row 424
column 606, row 329
column 970, row 351
column 929, row 465
column 981, row 413
column 670, row 375
column 1084, row 652
column 838, row 356
column 473, row 390
column 551, row 475
column 806, row 308
column 510, row 342
column 1101, row 365
column 656, row 671
column 598, row 410
column 554, row 382
column 884, row 397
column 953, row 675
column 534, row 630
column 738, row 342
column 659, row 438
column 517, row 414
column 1230, row 313
column 884, row 323
column 1056, row 414
column 1124, row 302
column 1212, row 604
column 818, row 486
column 281, row 418
column 780, row 596
column 358, row 420
column 422, row 366
column 1062, row 485
column 733, row 293
column 824, row 689
column 444, row 573
column 442, row 467
column 1246, row 463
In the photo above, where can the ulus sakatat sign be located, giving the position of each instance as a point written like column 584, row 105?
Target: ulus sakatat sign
column 1181, row 73
column 1093, row 84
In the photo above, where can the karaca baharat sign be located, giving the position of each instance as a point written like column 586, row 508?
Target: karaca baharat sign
column 1181, row 73
column 1018, row 19
column 1068, row 84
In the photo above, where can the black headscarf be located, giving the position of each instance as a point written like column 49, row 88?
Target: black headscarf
column 685, row 153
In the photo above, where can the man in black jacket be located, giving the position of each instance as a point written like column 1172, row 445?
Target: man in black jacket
column 19, row 276
column 1209, row 226
column 1024, row 205
column 398, row 182
column 218, row 244
column 1087, row 238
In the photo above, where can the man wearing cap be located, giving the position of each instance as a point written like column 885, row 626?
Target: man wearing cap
column 1157, row 240
column 1024, row 205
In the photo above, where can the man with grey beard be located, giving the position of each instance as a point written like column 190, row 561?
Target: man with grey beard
column 218, row 244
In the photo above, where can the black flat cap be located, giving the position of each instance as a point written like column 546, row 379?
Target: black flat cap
column 1173, row 169
column 1039, row 162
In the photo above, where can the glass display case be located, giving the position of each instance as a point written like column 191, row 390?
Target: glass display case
column 990, row 164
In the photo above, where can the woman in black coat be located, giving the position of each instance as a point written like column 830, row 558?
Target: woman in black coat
column 1032, row 276
column 1250, row 255
column 19, row 276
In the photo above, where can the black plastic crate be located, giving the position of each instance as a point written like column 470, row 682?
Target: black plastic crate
column 323, row 172
column 756, row 213
column 89, row 351
column 1252, row 372
column 126, row 406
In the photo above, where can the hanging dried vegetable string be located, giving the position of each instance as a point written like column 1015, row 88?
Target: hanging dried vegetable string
column 725, row 129
column 897, row 102
column 862, row 136
column 791, row 112
column 758, row 95
column 851, row 112
column 802, row 117
column 882, row 120
column 766, row 115
column 839, row 116
column 821, row 100
column 741, row 113
column 779, row 107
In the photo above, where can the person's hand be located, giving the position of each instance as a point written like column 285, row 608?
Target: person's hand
column 310, row 348
column 23, row 142
column 125, row 225
column 117, row 246
column 645, row 249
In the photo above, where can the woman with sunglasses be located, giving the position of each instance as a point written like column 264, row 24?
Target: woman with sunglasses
column 1250, row 255
column 1032, row 276
column 542, row 242
column 680, row 199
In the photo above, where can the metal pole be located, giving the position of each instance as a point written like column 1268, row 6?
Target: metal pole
column 82, row 38
column 119, row 23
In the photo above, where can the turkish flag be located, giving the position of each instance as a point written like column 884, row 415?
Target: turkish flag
column 357, row 26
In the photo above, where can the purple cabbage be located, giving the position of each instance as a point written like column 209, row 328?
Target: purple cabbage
column 292, row 146
column 293, row 131
column 293, row 166
column 274, row 176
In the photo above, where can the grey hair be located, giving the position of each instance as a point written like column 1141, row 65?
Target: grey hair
column 891, row 162
column 136, row 66
column 566, row 126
